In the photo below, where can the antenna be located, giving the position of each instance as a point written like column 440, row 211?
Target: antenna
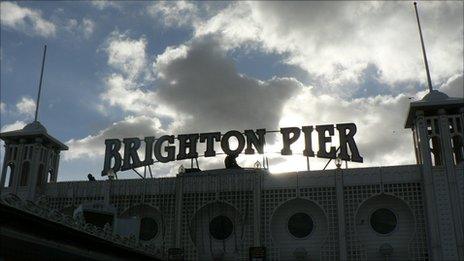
column 423, row 50
column 40, row 83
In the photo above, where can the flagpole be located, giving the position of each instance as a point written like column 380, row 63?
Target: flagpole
column 423, row 50
column 40, row 83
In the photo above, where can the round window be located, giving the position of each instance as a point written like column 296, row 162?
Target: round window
column 148, row 228
column 383, row 221
column 300, row 225
column 221, row 227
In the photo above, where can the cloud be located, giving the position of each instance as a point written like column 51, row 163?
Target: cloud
column 130, row 86
column 17, row 125
column 26, row 106
column 86, row 27
column 336, row 51
column 126, row 54
column 25, row 20
column 94, row 145
column 381, row 137
column 243, row 29
column 104, row 4
column 174, row 14
column 196, row 88
column 454, row 87
column 13, row 126
column 202, row 83
column 2, row 107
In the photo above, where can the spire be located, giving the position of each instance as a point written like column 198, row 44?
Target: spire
column 423, row 50
column 40, row 84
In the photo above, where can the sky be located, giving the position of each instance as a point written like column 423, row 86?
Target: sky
column 135, row 69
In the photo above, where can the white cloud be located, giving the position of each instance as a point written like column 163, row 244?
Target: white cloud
column 454, row 86
column 94, row 145
column 17, row 125
column 197, row 87
column 2, row 107
column 381, row 137
column 126, row 54
column 88, row 26
column 242, row 30
column 25, row 19
column 105, row 4
column 336, row 41
column 85, row 28
column 26, row 106
column 175, row 13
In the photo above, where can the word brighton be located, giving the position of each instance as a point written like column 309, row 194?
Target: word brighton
column 164, row 150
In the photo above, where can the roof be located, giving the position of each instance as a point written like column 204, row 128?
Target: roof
column 432, row 101
column 58, row 236
column 33, row 130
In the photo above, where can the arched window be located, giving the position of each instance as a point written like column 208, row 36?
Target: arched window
column 458, row 149
column 435, row 151
column 50, row 177
column 24, row 174
column 40, row 175
column 9, row 175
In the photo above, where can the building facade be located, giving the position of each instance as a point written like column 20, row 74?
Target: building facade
column 377, row 213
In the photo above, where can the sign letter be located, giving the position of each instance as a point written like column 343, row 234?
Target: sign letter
column 210, row 138
column 348, row 139
column 171, row 150
column 131, row 157
column 187, row 141
column 308, row 151
column 257, row 142
column 322, row 153
column 112, row 151
column 226, row 146
column 289, row 140
column 148, row 151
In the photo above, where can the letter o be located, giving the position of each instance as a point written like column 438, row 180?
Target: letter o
column 225, row 142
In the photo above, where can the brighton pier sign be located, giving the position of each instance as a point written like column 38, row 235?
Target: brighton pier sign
column 163, row 149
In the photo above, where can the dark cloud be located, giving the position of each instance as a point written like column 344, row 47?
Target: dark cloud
column 205, row 85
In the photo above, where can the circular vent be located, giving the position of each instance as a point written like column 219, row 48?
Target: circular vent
column 148, row 228
column 221, row 227
column 300, row 225
column 383, row 221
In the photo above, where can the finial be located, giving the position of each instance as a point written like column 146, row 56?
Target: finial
column 40, row 84
column 423, row 50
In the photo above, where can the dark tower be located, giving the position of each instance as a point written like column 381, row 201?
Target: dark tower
column 437, row 123
column 31, row 160
column 31, row 156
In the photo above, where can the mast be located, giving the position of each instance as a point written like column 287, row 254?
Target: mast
column 40, row 83
column 423, row 50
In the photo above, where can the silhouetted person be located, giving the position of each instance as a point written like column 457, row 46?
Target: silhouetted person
column 231, row 162
column 90, row 177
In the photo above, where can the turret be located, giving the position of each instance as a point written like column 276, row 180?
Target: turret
column 31, row 160
column 437, row 125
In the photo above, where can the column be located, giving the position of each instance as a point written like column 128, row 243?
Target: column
column 257, row 186
column 433, row 235
column 4, row 168
column 33, row 169
column 341, row 214
column 450, row 174
column 178, row 212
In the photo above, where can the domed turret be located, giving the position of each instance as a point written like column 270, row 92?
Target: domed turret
column 35, row 126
